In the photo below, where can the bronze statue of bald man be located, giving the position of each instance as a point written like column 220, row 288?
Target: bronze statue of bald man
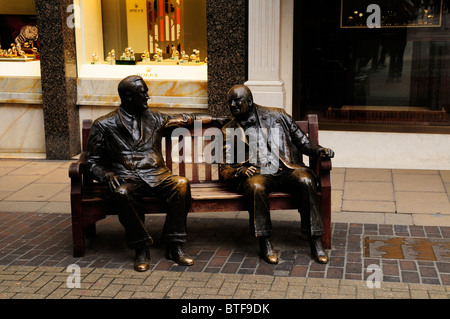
column 272, row 162
column 124, row 151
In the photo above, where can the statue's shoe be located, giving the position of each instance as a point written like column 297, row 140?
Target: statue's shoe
column 268, row 254
column 142, row 260
column 176, row 253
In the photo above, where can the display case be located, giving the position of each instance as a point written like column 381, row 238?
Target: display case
column 19, row 54
column 164, row 41
column 22, row 125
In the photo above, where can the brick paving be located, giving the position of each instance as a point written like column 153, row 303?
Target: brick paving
column 378, row 223
column 36, row 251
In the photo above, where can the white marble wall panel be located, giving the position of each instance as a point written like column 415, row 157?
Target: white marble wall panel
column 22, row 129
column 27, row 90
column 192, row 94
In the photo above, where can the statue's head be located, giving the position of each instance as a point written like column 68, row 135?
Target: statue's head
column 133, row 93
column 240, row 101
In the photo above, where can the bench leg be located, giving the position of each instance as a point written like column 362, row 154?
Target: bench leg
column 78, row 239
column 90, row 231
column 326, row 215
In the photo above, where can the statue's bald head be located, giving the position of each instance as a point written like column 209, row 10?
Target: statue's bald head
column 240, row 101
column 240, row 91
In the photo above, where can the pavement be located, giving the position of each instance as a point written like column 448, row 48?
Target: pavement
column 391, row 240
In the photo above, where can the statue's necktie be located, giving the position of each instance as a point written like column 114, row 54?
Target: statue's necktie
column 135, row 128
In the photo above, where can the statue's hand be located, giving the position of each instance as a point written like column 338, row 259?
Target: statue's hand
column 249, row 171
column 325, row 153
column 113, row 181
column 221, row 120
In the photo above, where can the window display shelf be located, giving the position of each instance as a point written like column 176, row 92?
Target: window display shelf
column 20, row 69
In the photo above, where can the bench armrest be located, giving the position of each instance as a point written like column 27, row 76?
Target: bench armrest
column 325, row 164
column 322, row 168
column 75, row 168
column 76, row 177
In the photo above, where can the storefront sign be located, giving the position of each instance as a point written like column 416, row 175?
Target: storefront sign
column 136, row 25
column 148, row 74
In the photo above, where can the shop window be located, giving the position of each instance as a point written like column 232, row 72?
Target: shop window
column 144, row 35
column 19, row 39
column 360, row 69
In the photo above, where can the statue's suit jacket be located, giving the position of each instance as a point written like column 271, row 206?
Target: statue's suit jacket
column 292, row 141
column 112, row 149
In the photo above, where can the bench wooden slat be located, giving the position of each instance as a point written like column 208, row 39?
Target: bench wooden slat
column 181, row 164
column 195, row 158
column 168, row 152
column 208, row 166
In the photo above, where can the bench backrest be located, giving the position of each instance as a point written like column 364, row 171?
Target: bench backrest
column 190, row 161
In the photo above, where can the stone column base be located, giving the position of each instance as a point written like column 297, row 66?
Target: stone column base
column 268, row 93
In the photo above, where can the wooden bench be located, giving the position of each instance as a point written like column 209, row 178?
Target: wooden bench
column 90, row 202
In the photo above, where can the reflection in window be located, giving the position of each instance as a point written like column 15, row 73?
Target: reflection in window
column 395, row 13
column 396, row 74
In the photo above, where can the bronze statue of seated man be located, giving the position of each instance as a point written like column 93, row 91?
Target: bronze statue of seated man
column 124, row 151
column 270, row 160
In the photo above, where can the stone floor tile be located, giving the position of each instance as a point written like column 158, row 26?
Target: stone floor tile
column 368, row 206
column 414, row 172
column 37, row 168
column 358, row 217
column 368, row 175
column 336, row 200
column 447, row 186
column 418, row 183
column 59, row 175
column 17, row 206
column 398, row 219
column 56, row 207
column 11, row 183
column 4, row 194
column 13, row 163
column 381, row 191
column 430, row 220
column 5, row 170
column 36, row 192
column 422, row 203
column 337, row 180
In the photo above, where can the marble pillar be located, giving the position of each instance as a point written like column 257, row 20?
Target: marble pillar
column 59, row 79
column 227, row 50
column 264, row 67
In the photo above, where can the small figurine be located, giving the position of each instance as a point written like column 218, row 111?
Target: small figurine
column 146, row 56
column 158, row 56
column 128, row 55
column 175, row 54
column 111, row 58
column 20, row 52
column 197, row 56
column 184, row 58
column 13, row 50
column 94, row 59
